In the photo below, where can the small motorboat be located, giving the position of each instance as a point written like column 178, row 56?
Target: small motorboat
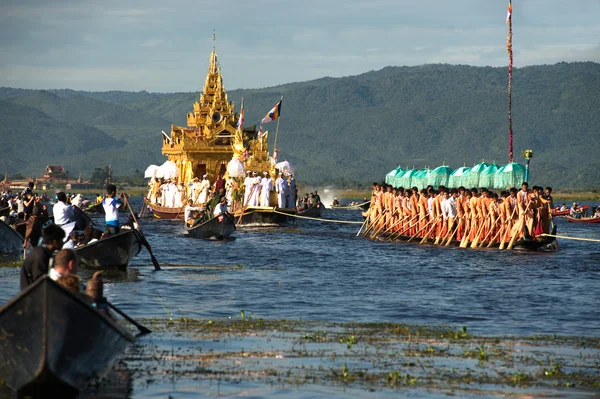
column 558, row 212
column 10, row 240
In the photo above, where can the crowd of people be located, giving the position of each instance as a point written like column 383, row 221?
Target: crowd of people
column 460, row 214
column 256, row 191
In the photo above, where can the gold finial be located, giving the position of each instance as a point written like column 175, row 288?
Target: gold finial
column 214, row 38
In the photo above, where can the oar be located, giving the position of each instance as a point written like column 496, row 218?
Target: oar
column 426, row 235
column 363, row 225
column 489, row 232
column 244, row 205
column 475, row 242
column 503, row 240
column 372, row 224
column 454, row 232
column 519, row 228
column 410, row 225
column 437, row 239
column 143, row 330
column 142, row 238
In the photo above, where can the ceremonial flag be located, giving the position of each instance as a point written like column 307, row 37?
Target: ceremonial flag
column 509, row 13
column 240, row 123
column 273, row 114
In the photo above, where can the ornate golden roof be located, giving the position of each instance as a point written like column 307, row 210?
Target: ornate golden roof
column 211, row 137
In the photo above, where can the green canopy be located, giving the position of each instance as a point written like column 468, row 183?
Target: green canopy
column 406, row 179
column 421, row 178
column 486, row 177
column 440, row 176
column 458, row 177
column 389, row 178
column 510, row 175
column 474, row 174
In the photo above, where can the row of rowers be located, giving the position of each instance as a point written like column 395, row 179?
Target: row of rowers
column 480, row 214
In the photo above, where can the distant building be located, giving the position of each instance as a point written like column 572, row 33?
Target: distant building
column 55, row 172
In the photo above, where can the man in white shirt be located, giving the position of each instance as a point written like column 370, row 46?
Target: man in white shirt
column 189, row 208
column 204, row 189
column 65, row 263
column 63, row 213
column 255, row 190
column 221, row 207
column 266, row 188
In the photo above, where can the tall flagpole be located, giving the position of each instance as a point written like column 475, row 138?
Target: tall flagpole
column 510, row 69
column 277, row 128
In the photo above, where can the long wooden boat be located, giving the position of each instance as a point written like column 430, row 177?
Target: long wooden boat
column 525, row 244
column 53, row 342
column 583, row 220
column 164, row 212
column 10, row 240
column 264, row 216
column 218, row 228
column 94, row 208
column 115, row 251
column 557, row 212
column 313, row 212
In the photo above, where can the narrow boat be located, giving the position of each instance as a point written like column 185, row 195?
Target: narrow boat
column 114, row 251
column 313, row 212
column 365, row 205
column 53, row 343
column 264, row 216
column 525, row 244
column 94, row 208
column 219, row 228
column 10, row 240
column 558, row 212
column 583, row 219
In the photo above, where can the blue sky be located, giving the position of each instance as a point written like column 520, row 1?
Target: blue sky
column 163, row 46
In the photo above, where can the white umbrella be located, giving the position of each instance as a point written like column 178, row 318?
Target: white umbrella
column 235, row 168
column 168, row 170
column 284, row 167
column 151, row 171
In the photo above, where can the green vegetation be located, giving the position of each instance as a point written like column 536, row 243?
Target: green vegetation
column 347, row 132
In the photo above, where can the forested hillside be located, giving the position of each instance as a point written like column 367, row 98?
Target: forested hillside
column 334, row 130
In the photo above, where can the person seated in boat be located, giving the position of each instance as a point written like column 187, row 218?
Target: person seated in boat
column 188, row 212
column 317, row 201
column 597, row 212
column 335, row 202
column 63, row 212
column 198, row 217
column 96, row 236
column 72, row 241
column 575, row 211
column 213, row 202
column 564, row 207
column 300, row 204
column 94, row 290
column 111, row 205
column 36, row 264
column 66, row 263
column 221, row 207
column 70, row 282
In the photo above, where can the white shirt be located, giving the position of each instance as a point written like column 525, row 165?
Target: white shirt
column 63, row 213
column 220, row 208
column 451, row 207
column 188, row 212
column 54, row 275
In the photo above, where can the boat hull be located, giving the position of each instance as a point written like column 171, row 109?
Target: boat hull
column 54, row 343
column 115, row 251
column 582, row 220
column 165, row 212
column 568, row 212
column 313, row 211
column 10, row 240
column 264, row 216
column 213, row 228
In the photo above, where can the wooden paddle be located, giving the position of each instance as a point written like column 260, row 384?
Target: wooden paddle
column 143, row 330
column 475, row 242
column 454, row 232
column 487, row 236
column 410, row 224
column 364, row 223
column 519, row 228
column 426, row 235
column 141, row 236
column 372, row 224
column 246, row 202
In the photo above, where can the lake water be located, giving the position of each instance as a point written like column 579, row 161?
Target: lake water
column 313, row 270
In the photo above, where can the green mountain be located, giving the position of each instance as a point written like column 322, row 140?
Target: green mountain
column 354, row 128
